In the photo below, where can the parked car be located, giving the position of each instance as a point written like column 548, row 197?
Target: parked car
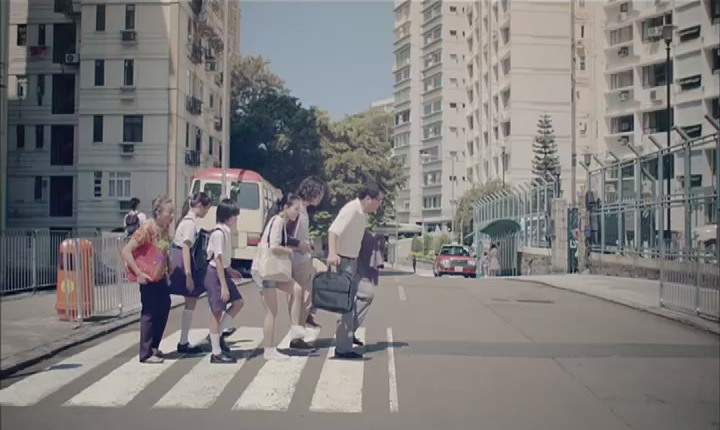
column 454, row 260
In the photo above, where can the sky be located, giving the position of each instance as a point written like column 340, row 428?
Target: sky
column 336, row 55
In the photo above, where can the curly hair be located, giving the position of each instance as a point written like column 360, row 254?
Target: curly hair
column 158, row 202
column 311, row 188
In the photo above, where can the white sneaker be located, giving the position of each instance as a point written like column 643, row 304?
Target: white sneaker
column 272, row 354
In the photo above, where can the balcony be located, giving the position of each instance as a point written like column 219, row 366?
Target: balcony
column 193, row 105
column 196, row 52
column 37, row 51
column 192, row 157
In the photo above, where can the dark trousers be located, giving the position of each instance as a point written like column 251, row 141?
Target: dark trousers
column 155, row 300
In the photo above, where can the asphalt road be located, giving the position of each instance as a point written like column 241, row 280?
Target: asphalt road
column 441, row 354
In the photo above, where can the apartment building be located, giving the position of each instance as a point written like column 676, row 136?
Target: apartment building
column 430, row 128
column 385, row 105
column 4, row 44
column 519, row 69
column 109, row 101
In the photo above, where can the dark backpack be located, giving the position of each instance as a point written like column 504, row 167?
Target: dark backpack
column 132, row 221
column 199, row 251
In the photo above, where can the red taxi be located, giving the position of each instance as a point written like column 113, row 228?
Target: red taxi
column 454, row 260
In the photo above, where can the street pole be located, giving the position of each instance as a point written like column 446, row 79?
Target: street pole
column 452, row 196
column 226, row 100
column 573, row 145
column 667, row 36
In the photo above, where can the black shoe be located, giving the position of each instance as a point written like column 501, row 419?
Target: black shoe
column 358, row 342
column 185, row 348
column 223, row 345
column 157, row 353
column 300, row 344
column 348, row 355
column 310, row 320
column 222, row 358
column 228, row 332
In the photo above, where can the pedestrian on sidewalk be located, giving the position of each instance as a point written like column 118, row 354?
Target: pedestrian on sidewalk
column 186, row 279
column 311, row 192
column 134, row 218
column 414, row 263
column 149, row 247
column 219, row 280
column 274, row 239
column 344, row 242
column 494, row 264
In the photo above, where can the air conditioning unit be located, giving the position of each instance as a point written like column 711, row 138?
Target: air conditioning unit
column 624, row 140
column 624, row 96
column 128, row 35
column 654, row 32
column 127, row 149
column 624, row 51
column 211, row 66
column 622, row 16
column 72, row 58
column 657, row 96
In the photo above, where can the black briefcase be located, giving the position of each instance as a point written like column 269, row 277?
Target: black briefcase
column 332, row 292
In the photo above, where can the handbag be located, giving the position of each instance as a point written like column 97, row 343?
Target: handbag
column 150, row 260
column 270, row 266
column 332, row 292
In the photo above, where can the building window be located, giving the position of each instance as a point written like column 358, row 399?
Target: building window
column 433, row 82
column 582, row 31
column 97, row 184
column 655, row 75
column 210, row 145
column 100, row 17
column 99, row 73
column 62, row 145
column 581, row 63
column 715, row 60
column 714, row 10
column 40, row 89
column 22, row 35
column 98, row 128
column 61, row 196
column 623, row 124
column 402, row 117
column 689, row 33
column 187, row 135
column 133, row 128
column 715, row 108
column 401, row 140
column 130, row 17
column 402, row 75
column 119, row 185
column 453, row 32
column 432, row 130
column 20, row 131
column 64, row 41
column 453, row 8
column 656, row 122
column 38, row 188
column 198, row 140
column 129, row 73
column 63, row 97
column 39, row 136
column 41, row 35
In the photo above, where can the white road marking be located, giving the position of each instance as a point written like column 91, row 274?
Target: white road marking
column 401, row 293
column 273, row 387
column 392, row 375
column 36, row 387
column 339, row 388
column 201, row 387
column 119, row 387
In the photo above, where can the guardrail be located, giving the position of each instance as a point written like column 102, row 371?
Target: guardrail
column 28, row 259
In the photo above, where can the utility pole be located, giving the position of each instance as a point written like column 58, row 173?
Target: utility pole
column 573, row 144
column 226, row 100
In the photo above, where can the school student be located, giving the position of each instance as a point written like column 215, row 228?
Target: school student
column 154, row 295
column 185, row 279
column 219, row 280
column 274, row 238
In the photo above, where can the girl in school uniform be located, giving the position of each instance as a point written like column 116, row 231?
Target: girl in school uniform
column 184, row 279
column 275, row 238
column 219, row 279
column 154, row 295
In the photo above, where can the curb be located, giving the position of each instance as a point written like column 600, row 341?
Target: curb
column 28, row 358
column 695, row 322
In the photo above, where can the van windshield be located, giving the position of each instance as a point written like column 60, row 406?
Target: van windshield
column 247, row 194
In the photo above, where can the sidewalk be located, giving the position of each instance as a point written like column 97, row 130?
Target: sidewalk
column 31, row 332
column 640, row 294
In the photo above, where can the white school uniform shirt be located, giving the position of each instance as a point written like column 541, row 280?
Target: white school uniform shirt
column 219, row 244
column 349, row 226
column 275, row 230
column 302, row 233
column 186, row 231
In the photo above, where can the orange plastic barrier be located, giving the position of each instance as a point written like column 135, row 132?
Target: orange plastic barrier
column 67, row 279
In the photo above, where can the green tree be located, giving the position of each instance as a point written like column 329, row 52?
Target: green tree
column 252, row 80
column 464, row 214
column 427, row 244
column 416, row 246
column 545, row 164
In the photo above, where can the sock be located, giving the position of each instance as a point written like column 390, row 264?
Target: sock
column 185, row 324
column 225, row 321
column 215, row 343
column 297, row 332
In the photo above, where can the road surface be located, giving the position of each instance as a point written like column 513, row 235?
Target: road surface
column 443, row 353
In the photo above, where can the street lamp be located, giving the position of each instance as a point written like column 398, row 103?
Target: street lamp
column 667, row 34
column 453, row 179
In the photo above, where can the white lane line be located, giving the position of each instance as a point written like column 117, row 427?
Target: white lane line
column 273, row 387
column 201, row 387
column 119, row 387
column 401, row 293
column 392, row 375
column 339, row 388
column 36, row 387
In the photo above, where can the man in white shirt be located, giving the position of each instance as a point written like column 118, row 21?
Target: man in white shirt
column 344, row 242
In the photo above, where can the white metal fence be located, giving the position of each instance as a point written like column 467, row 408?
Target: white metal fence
column 28, row 259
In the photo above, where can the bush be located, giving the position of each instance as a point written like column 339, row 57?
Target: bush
column 427, row 244
column 417, row 245
column 440, row 241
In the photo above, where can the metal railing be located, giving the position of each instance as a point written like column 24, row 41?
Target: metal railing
column 28, row 259
column 673, row 234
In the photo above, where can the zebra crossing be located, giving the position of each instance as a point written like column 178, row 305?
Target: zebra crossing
column 338, row 389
